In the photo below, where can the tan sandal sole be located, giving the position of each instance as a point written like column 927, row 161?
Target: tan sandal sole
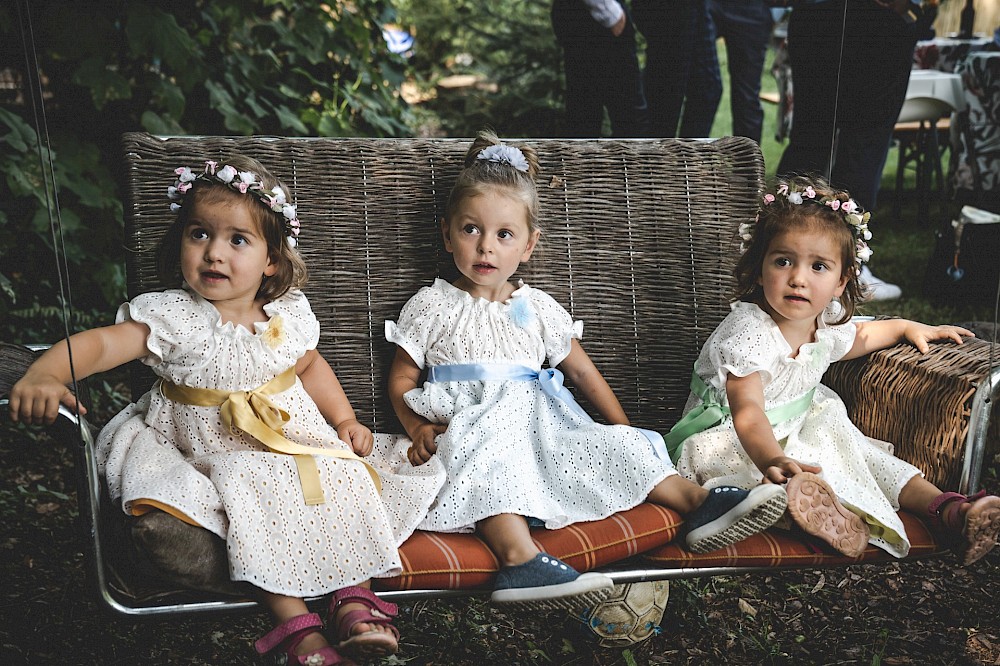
column 814, row 507
column 982, row 526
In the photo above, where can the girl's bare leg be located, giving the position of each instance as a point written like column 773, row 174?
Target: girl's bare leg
column 678, row 493
column 531, row 581
column 917, row 495
column 283, row 609
column 508, row 537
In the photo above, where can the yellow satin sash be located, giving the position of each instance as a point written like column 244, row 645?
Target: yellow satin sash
column 254, row 413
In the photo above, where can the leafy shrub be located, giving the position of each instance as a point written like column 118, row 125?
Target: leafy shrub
column 508, row 46
column 233, row 67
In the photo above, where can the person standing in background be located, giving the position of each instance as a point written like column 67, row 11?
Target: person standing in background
column 601, row 67
column 681, row 78
column 745, row 25
column 851, row 62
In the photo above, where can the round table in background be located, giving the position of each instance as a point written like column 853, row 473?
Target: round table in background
column 944, row 53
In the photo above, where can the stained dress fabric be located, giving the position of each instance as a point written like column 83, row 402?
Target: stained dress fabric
column 170, row 455
column 863, row 472
column 509, row 447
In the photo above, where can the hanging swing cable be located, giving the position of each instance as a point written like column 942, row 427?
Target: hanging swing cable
column 836, row 98
column 33, row 86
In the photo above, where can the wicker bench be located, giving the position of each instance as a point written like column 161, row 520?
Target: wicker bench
column 638, row 243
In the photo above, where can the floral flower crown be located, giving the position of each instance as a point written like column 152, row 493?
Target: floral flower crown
column 244, row 182
column 854, row 218
column 501, row 153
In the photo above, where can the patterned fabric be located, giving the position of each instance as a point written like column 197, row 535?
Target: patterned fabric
column 944, row 54
column 179, row 458
column 645, row 534
column 463, row 561
column 977, row 151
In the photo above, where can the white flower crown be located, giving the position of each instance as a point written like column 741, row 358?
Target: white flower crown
column 504, row 154
column 850, row 212
column 244, row 182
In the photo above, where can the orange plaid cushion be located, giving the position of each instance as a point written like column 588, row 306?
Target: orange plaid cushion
column 792, row 548
column 434, row 561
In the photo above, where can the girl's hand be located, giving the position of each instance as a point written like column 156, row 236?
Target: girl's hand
column 619, row 27
column 424, row 446
column 357, row 435
column 919, row 335
column 35, row 399
column 782, row 468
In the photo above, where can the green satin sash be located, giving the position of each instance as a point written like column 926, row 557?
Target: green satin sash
column 711, row 413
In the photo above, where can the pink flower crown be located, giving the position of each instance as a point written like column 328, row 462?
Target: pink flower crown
column 855, row 219
column 244, row 182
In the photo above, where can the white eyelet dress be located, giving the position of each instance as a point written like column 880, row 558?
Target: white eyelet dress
column 863, row 472
column 164, row 454
column 510, row 447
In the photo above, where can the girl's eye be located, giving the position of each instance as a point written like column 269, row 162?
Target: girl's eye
column 470, row 229
column 240, row 240
column 505, row 234
column 198, row 234
column 819, row 266
column 782, row 261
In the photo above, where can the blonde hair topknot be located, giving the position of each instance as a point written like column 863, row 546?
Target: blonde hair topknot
column 479, row 176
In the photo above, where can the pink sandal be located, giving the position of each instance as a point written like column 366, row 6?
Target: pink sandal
column 815, row 508
column 979, row 528
column 369, row 643
column 286, row 637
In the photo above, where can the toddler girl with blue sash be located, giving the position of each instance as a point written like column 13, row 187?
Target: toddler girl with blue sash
column 514, row 443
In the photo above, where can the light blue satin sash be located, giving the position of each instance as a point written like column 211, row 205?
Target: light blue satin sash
column 711, row 413
column 549, row 379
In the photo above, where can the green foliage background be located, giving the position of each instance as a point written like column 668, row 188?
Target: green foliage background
column 188, row 67
column 280, row 67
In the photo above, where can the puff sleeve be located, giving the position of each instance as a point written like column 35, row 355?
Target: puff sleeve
column 418, row 320
column 558, row 329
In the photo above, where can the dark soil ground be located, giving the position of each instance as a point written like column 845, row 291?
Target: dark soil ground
column 929, row 612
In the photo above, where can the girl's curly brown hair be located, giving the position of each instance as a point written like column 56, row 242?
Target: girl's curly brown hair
column 291, row 273
column 781, row 216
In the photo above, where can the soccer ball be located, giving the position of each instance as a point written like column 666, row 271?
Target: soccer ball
column 630, row 615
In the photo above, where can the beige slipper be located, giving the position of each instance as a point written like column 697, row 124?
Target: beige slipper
column 814, row 507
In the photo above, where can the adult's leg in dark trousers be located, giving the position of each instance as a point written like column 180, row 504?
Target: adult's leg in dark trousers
column 602, row 71
column 576, row 33
column 704, row 85
column 584, row 97
column 872, row 72
column 813, row 52
column 668, row 29
column 878, row 57
column 626, row 100
column 746, row 27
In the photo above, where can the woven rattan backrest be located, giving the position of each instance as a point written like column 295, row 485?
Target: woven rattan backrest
column 639, row 242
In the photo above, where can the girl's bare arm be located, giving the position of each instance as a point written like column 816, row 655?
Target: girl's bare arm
column 882, row 333
column 746, row 404
column 35, row 399
column 580, row 369
column 404, row 375
column 322, row 385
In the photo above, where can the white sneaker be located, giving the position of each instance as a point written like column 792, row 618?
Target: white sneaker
column 878, row 289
